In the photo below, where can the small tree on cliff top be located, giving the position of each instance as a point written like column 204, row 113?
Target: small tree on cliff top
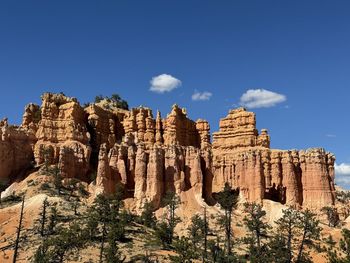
column 115, row 100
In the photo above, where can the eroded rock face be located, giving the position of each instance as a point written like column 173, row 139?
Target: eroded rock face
column 104, row 180
column 102, row 126
column 140, row 175
column 317, row 177
column 243, row 158
column 155, row 176
column 149, row 156
column 62, row 136
column 176, row 129
column 31, row 118
column 236, row 130
column 16, row 154
column 74, row 159
column 203, row 129
column 156, row 169
column 179, row 130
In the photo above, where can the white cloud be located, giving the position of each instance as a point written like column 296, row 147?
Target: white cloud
column 331, row 135
column 342, row 173
column 261, row 98
column 164, row 83
column 206, row 95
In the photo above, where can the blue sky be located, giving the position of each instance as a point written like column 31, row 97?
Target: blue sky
column 293, row 56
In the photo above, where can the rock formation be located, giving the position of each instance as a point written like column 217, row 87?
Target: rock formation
column 244, row 159
column 16, row 154
column 62, row 136
column 31, row 118
column 104, row 180
column 150, row 156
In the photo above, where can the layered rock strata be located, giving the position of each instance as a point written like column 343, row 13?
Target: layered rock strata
column 16, row 154
column 176, row 129
column 147, row 173
column 151, row 155
column 62, row 136
column 243, row 158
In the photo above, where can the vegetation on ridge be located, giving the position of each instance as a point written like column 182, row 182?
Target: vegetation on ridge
column 67, row 229
column 114, row 100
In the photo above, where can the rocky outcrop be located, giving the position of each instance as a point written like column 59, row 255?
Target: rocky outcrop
column 243, row 158
column 236, row 130
column 155, row 176
column 101, row 126
column 317, row 167
column 203, row 129
column 179, row 130
column 73, row 159
column 104, row 180
column 139, row 125
column 140, row 175
column 176, row 129
column 31, row 118
column 149, row 156
column 154, row 171
column 62, row 136
column 16, row 154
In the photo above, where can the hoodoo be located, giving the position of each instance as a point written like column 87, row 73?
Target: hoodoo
column 150, row 156
column 242, row 157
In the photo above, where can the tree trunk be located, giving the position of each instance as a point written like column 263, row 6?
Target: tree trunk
column 172, row 222
column 258, row 235
column 61, row 257
column 18, row 233
column 205, row 235
column 75, row 208
column 43, row 219
column 229, row 233
column 289, row 243
column 103, row 240
column 301, row 247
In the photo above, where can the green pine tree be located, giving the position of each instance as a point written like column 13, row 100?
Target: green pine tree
column 185, row 250
column 147, row 216
column 165, row 230
column 332, row 215
column 228, row 199
column 310, row 230
column 198, row 232
column 287, row 233
column 43, row 217
column 42, row 254
column 257, row 229
column 53, row 220
column 68, row 240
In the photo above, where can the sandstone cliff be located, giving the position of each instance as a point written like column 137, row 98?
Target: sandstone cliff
column 243, row 158
column 16, row 155
column 62, row 136
column 151, row 155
